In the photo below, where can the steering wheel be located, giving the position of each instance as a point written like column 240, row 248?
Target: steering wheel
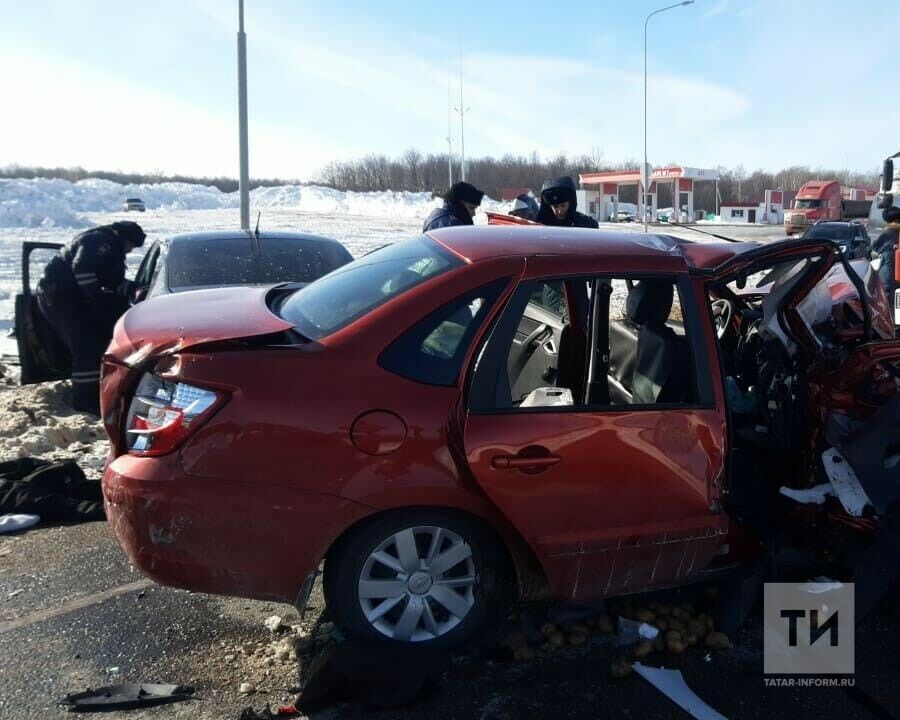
column 723, row 311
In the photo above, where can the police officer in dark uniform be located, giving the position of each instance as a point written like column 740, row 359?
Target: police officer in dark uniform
column 82, row 293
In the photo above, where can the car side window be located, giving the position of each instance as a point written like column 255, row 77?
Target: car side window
column 432, row 350
column 633, row 349
column 551, row 297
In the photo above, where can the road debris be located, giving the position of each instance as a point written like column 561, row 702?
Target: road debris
column 671, row 684
column 246, row 688
column 273, row 623
column 126, row 696
column 14, row 522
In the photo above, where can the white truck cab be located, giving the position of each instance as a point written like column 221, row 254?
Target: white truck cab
column 888, row 196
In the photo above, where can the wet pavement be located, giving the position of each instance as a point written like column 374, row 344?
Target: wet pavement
column 74, row 615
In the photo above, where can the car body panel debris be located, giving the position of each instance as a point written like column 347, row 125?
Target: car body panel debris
column 14, row 522
column 671, row 684
column 125, row 696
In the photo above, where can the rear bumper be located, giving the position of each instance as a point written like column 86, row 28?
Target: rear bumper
column 245, row 539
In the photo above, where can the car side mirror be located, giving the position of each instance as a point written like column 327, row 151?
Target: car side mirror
column 887, row 175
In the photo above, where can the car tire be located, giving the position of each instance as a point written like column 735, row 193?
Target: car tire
column 373, row 594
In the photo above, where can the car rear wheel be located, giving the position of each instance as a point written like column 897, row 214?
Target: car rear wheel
column 415, row 577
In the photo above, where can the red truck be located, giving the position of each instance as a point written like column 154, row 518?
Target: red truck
column 823, row 200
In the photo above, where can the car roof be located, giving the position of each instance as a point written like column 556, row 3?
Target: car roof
column 474, row 244
column 205, row 236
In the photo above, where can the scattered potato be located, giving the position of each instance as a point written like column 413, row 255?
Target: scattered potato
column 718, row 641
column 605, row 625
column 678, row 625
column 697, row 629
column 663, row 610
column 673, row 635
column 643, row 649
column 580, row 629
column 577, row 638
column 523, row 654
column 662, row 624
column 557, row 639
column 678, row 612
column 548, row 629
column 676, row 647
column 646, row 616
column 690, row 639
column 620, row 668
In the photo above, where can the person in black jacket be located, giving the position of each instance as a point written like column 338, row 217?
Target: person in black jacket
column 559, row 205
column 884, row 248
column 82, row 293
column 460, row 203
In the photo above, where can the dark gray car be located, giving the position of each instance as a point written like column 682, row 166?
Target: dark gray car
column 217, row 258
column 850, row 236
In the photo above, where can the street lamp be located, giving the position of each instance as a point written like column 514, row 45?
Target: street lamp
column 645, row 176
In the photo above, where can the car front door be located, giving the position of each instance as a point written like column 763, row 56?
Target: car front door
column 612, row 498
column 42, row 354
column 146, row 273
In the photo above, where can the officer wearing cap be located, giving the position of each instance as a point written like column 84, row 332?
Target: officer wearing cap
column 82, row 293
column 460, row 203
column 558, row 205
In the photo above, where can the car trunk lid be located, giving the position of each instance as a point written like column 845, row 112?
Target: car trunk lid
column 172, row 323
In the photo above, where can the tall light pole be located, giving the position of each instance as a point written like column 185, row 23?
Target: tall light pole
column 244, row 182
column 449, row 138
column 462, row 110
column 645, row 175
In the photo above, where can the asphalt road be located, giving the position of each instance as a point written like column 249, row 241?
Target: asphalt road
column 74, row 615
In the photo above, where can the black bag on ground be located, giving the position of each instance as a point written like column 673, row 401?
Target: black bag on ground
column 56, row 491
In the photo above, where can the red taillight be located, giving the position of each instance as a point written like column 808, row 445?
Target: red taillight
column 164, row 413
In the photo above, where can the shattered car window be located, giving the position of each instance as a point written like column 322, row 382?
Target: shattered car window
column 338, row 299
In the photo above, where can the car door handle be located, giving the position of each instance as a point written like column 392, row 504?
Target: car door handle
column 503, row 462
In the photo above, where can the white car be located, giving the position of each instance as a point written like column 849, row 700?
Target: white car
column 133, row 204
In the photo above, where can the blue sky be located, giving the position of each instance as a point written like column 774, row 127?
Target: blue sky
column 152, row 86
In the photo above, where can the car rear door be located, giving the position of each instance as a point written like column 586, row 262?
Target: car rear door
column 612, row 498
column 42, row 354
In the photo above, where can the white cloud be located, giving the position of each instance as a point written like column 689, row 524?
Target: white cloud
column 718, row 8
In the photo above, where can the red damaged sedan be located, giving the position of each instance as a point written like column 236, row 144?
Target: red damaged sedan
column 584, row 414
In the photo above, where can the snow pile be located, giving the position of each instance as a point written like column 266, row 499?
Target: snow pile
column 43, row 202
column 28, row 203
column 38, row 421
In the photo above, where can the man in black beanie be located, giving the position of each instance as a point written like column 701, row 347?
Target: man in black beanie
column 460, row 203
column 82, row 294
